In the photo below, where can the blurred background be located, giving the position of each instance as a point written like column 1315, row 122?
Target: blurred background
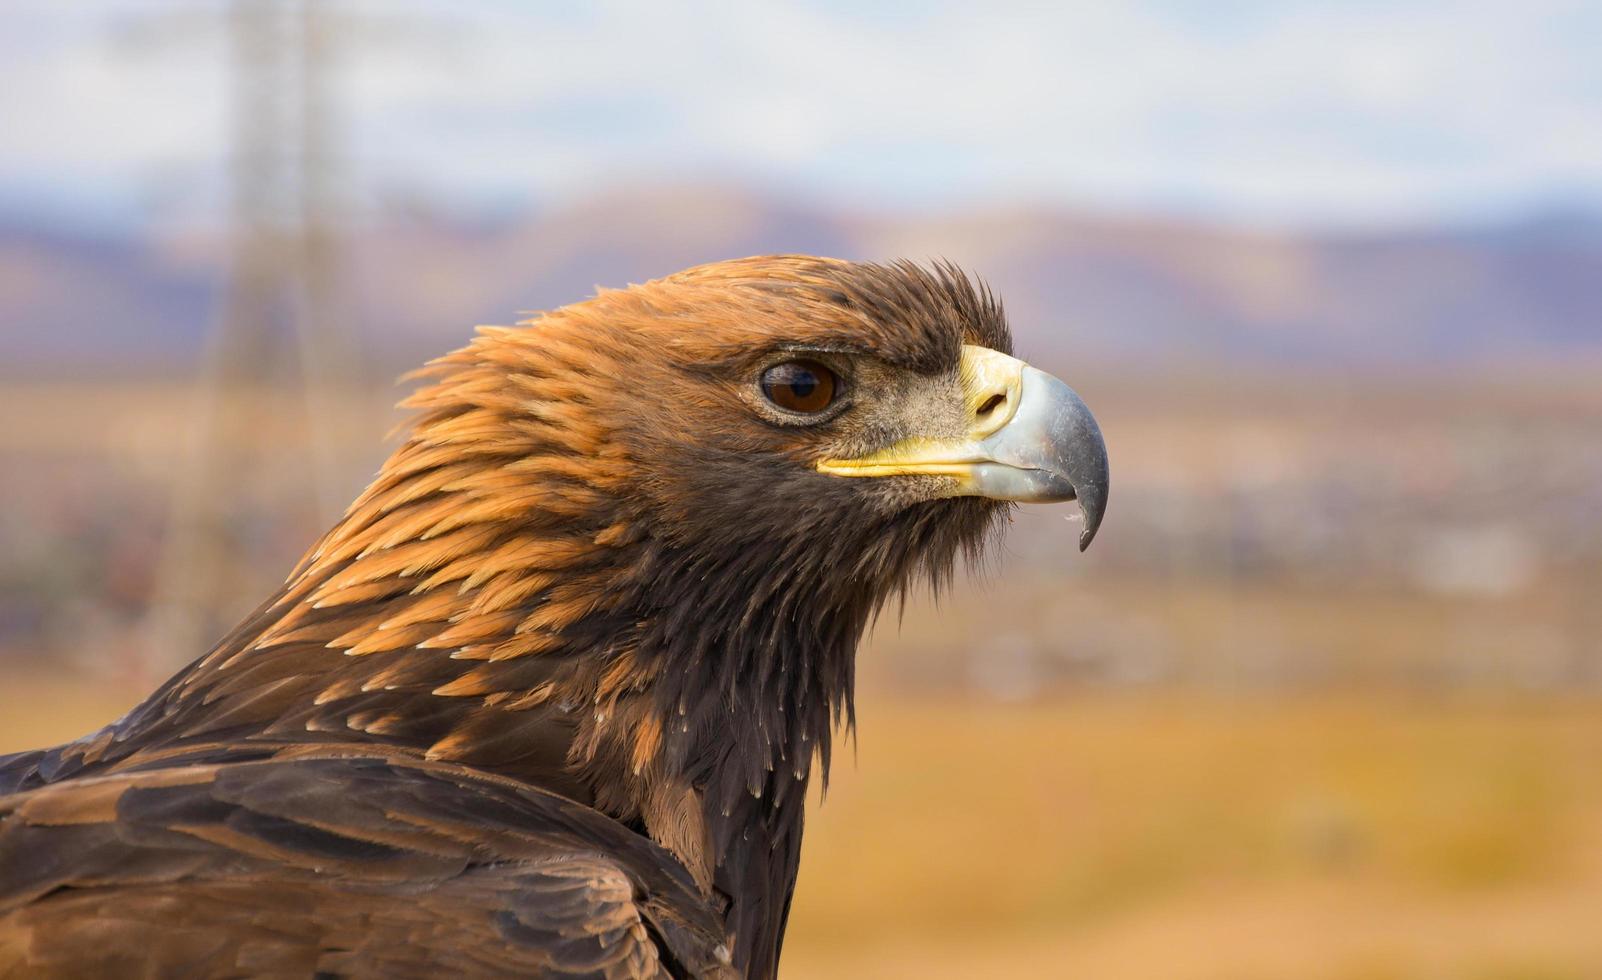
column 1324, row 701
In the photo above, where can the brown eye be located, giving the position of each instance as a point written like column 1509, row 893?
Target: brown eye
column 800, row 386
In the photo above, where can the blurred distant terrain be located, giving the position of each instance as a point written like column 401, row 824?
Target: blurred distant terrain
column 1085, row 287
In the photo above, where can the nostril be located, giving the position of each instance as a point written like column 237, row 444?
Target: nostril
column 991, row 404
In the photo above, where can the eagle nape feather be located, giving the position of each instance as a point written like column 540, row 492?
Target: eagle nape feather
column 547, row 699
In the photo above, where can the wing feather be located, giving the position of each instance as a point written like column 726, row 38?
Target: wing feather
column 365, row 866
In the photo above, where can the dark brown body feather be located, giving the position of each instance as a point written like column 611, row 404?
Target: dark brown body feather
column 324, row 863
column 548, row 698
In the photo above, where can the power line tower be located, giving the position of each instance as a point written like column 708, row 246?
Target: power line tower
column 280, row 380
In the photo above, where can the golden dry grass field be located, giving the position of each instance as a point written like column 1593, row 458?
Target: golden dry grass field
column 1170, row 836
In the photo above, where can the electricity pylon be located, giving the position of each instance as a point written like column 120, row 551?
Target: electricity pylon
column 281, row 342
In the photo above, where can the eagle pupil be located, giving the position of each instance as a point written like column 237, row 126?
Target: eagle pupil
column 800, row 386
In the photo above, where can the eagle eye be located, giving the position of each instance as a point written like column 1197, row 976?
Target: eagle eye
column 800, row 386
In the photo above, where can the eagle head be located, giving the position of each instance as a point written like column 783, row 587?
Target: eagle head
column 726, row 410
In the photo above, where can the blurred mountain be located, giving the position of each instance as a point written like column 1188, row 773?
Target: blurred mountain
column 78, row 303
column 1093, row 287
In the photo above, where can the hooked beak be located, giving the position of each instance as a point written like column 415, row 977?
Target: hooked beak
column 1030, row 438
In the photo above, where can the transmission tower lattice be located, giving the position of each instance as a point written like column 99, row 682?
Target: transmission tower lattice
column 281, row 342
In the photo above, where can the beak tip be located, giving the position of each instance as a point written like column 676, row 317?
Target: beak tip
column 1092, row 504
column 1091, row 523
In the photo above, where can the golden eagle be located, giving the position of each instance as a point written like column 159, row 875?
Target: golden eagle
column 548, row 697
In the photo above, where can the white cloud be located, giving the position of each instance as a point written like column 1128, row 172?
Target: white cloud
column 1282, row 111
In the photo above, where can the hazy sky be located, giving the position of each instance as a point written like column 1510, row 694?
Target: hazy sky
column 1285, row 112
